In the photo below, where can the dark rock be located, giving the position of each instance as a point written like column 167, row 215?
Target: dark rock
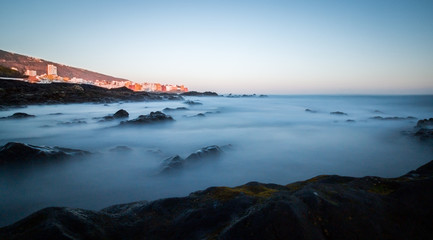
column 199, row 94
column 121, row 114
column 263, row 96
column 424, row 134
column 338, row 113
column 425, row 123
column 310, row 111
column 324, row 207
column 189, row 102
column 350, row 120
column 19, row 115
column 172, row 163
column 152, row 117
column 13, row 152
column 393, row 118
column 174, row 109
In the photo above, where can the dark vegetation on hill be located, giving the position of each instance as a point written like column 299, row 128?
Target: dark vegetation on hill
column 8, row 72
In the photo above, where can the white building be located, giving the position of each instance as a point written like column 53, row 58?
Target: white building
column 30, row 73
column 51, row 70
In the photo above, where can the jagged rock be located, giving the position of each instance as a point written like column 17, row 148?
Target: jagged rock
column 152, row 117
column 393, row 118
column 190, row 102
column 425, row 123
column 19, row 115
column 205, row 153
column 338, row 113
column 174, row 109
column 176, row 162
column 13, row 152
column 324, row 207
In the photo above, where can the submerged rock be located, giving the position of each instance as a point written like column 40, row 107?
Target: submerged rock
column 200, row 94
column 324, row 207
column 310, row 111
column 393, row 118
column 19, row 115
column 174, row 109
column 14, row 152
column 152, row 117
column 121, row 149
column 338, row 113
column 121, row 114
column 190, row 102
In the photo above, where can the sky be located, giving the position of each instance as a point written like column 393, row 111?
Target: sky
column 263, row 47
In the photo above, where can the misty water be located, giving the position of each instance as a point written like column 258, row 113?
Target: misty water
column 273, row 140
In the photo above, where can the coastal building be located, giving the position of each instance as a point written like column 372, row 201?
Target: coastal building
column 51, row 69
column 30, row 73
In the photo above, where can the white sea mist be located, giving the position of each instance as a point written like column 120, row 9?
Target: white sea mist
column 273, row 140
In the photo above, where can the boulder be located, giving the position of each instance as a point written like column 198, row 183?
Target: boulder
column 14, row 152
column 190, row 102
column 153, row 117
column 209, row 152
column 425, row 123
column 121, row 114
column 174, row 109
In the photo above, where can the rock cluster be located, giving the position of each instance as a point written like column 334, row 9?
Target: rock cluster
column 153, row 117
column 324, row 207
column 204, row 154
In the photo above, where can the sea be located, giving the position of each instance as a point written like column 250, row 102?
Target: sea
column 268, row 139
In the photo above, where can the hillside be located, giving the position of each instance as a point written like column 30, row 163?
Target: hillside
column 23, row 63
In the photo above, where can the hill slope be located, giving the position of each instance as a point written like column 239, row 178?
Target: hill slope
column 23, row 63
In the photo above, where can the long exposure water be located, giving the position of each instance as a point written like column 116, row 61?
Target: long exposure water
column 273, row 140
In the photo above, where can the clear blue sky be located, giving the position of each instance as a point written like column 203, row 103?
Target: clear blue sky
column 270, row 46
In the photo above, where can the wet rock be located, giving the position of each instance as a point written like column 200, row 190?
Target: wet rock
column 14, row 152
column 153, row 117
column 350, row 120
column 174, row 109
column 393, row 118
column 19, row 115
column 338, row 113
column 324, row 207
column 190, row 102
column 204, row 154
column 209, row 152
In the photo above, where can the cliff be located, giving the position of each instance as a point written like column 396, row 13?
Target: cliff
column 324, row 207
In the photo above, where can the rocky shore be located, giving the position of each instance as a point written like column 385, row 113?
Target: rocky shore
column 324, row 207
column 18, row 93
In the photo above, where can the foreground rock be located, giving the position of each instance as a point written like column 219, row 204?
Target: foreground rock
column 425, row 123
column 16, row 93
column 19, row 115
column 205, row 154
column 14, row 153
column 324, row 207
column 153, row 117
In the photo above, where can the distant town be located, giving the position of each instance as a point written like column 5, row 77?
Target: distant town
column 51, row 76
